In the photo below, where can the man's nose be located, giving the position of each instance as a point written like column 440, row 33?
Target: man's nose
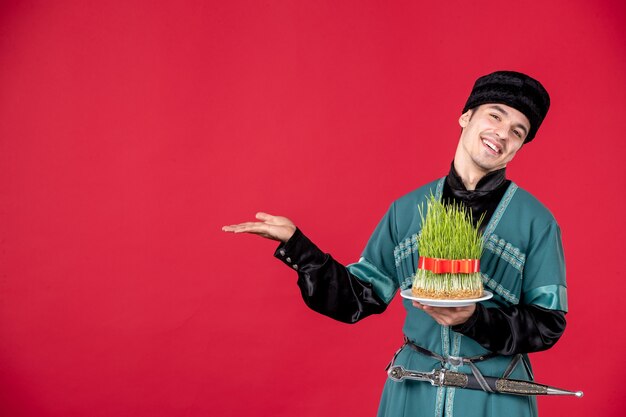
column 502, row 131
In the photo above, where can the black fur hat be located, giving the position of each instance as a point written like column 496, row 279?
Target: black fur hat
column 513, row 89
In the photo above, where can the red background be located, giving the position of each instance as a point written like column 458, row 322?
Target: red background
column 131, row 131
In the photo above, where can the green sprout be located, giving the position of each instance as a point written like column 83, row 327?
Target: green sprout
column 448, row 232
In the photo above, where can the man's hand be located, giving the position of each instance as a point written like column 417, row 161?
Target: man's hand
column 270, row 227
column 447, row 316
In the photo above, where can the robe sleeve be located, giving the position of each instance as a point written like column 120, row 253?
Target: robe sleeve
column 544, row 271
column 351, row 293
column 536, row 323
column 514, row 329
column 327, row 287
column 377, row 265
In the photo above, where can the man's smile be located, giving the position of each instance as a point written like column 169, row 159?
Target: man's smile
column 492, row 147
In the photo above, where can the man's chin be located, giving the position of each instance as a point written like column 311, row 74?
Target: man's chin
column 489, row 167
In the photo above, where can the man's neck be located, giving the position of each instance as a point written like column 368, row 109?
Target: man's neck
column 469, row 176
column 488, row 183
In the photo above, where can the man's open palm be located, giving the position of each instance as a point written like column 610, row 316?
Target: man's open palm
column 270, row 227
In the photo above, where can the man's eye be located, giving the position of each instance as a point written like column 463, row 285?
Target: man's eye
column 517, row 133
column 495, row 116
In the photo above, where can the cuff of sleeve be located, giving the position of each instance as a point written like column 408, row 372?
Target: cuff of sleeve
column 465, row 327
column 299, row 252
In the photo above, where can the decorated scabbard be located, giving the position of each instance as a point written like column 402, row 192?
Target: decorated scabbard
column 446, row 378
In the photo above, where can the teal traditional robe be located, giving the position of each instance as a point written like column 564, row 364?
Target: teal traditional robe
column 522, row 262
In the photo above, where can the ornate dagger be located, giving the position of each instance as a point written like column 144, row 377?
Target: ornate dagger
column 446, row 378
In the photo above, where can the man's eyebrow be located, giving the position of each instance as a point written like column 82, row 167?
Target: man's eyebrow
column 500, row 109
column 504, row 112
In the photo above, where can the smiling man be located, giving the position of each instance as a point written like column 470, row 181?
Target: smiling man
column 492, row 135
column 522, row 264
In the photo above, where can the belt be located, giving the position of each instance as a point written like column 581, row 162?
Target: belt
column 459, row 361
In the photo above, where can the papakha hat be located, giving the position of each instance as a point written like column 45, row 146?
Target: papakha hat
column 513, row 89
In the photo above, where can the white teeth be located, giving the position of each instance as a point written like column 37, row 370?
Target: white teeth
column 491, row 145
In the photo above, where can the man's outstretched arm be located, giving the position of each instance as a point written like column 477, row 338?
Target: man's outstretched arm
column 326, row 285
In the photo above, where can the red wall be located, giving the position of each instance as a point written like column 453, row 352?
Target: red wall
column 131, row 131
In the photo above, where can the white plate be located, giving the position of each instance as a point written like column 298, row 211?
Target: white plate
column 460, row 302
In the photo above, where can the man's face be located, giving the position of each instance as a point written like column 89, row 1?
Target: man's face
column 492, row 134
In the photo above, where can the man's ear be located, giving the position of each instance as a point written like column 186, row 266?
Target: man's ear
column 465, row 117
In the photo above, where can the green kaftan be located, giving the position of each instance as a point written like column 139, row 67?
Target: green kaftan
column 522, row 262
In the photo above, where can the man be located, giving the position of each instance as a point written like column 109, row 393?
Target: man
column 522, row 264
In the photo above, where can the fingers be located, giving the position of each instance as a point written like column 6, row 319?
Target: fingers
column 273, row 220
column 248, row 227
column 447, row 316
column 424, row 307
column 270, row 227
column 263, row 216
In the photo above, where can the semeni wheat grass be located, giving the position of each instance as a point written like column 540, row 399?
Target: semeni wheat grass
column 448, row 232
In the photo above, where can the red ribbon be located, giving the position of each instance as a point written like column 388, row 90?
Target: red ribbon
column 454, row 266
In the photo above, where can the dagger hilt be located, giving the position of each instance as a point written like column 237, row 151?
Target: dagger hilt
column 398, row 373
